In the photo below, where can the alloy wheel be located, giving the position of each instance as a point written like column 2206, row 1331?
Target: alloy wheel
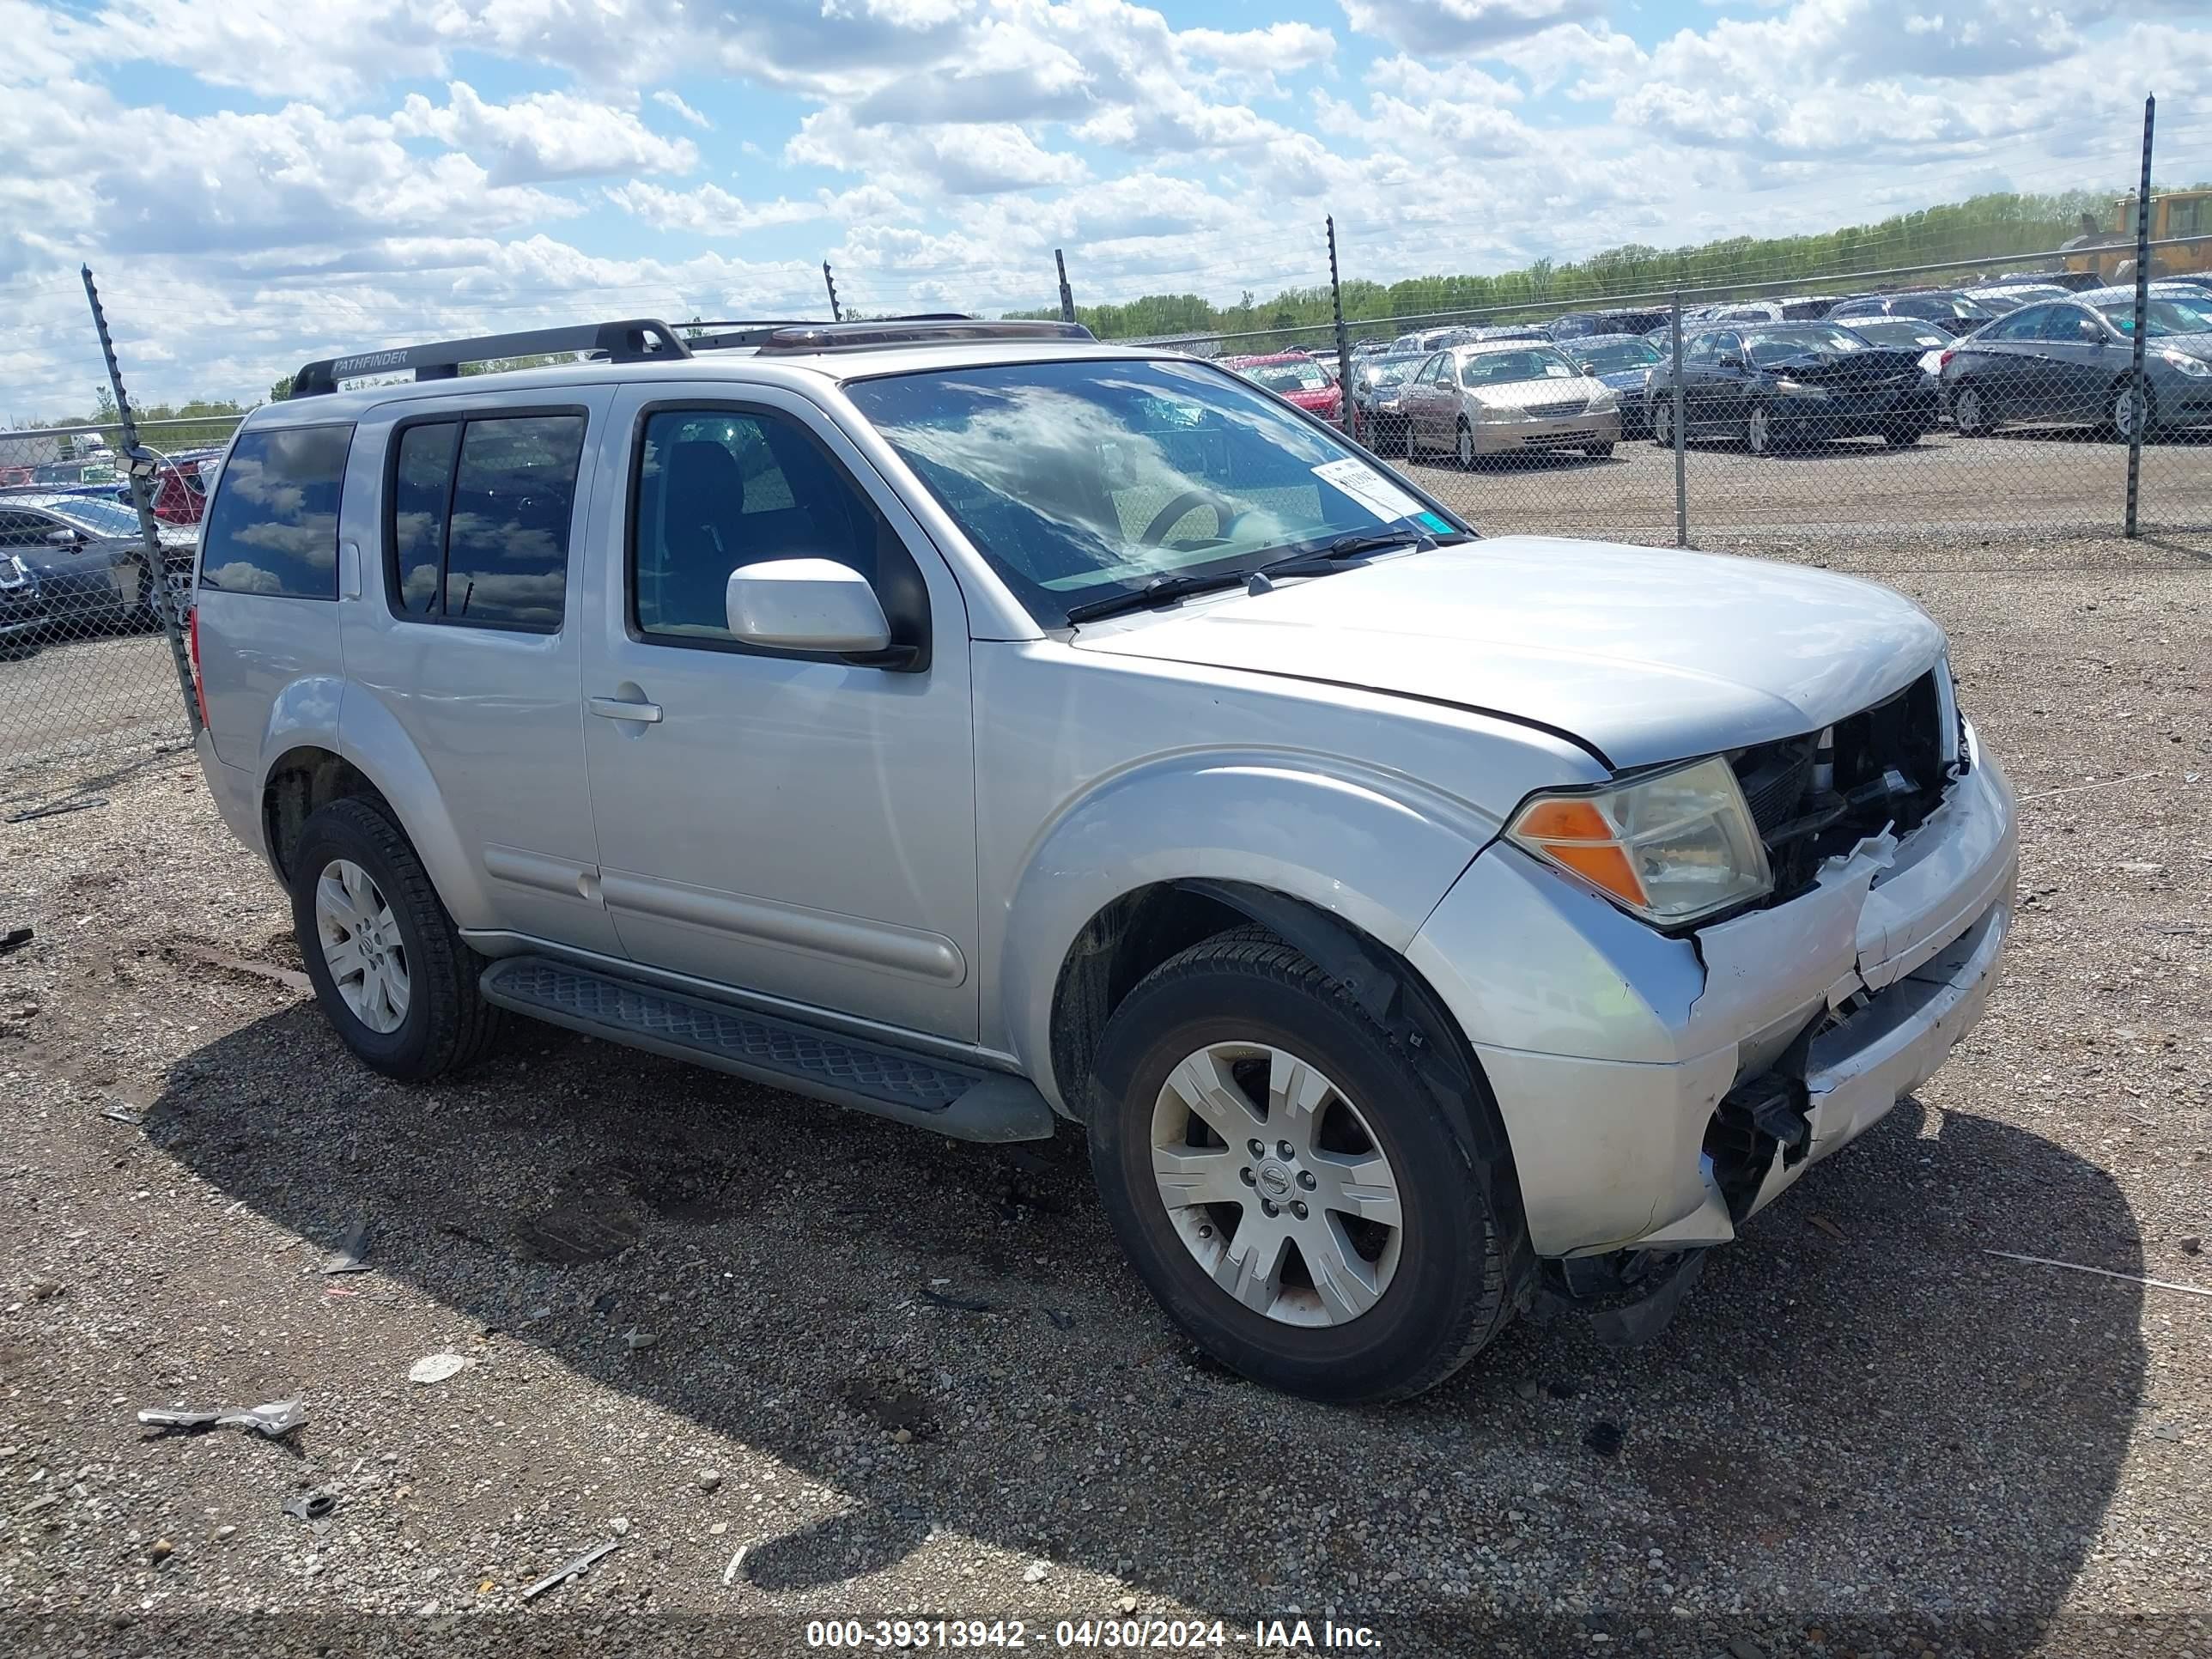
column 1466, row 449
column 1966, row 412
column 1663, row 425
column 2130, row 413
column 362, row 946
column 1276, row 1184
column 1758, row 432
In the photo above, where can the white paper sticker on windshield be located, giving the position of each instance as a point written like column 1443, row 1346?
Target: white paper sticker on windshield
column 1370, row 488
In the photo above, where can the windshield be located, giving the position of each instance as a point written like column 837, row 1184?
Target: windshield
column 100, row 518
column 1900, row 332
column 1081, row 481
column 1390, row 372
column 1287, row 377
column 1779, row 345
column 1604, row 356
column 1532, row 364
column 2162, row 317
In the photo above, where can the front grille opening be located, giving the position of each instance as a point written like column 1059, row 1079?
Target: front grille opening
column 1879, row 769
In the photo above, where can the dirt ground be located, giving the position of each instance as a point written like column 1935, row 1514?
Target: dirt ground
column 909, row 1378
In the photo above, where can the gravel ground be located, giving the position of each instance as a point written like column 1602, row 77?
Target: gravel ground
column 909, row 1377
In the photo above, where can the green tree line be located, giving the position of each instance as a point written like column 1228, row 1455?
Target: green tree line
column 1980, row 235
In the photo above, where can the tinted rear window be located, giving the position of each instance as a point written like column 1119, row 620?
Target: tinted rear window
column 274, row 525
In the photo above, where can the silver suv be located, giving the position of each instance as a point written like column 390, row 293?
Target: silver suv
column 981, row 727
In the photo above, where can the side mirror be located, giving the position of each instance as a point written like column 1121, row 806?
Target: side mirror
column 1586, row 369
column 1728, row 362
column 64, row 537
column 806, row 604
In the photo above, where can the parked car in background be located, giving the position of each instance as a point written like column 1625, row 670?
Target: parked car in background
column 1623, row 362
column 1785, row 384
column 1496, row 396
column 1795, row 309
column 2005, row 297
column 1948, row 308
column 1295, row 376
column 1377, row 420
column 88, row 559
column 2071, row 361
column 1576, row 325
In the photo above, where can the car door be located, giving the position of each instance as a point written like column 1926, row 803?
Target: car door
column 2079, row 362
column 801, row 827
column 1716, row 385
column 461, row 625
column 2000, row 360
column 1421, row 400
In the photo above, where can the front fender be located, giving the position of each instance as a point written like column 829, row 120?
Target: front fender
column 1374, row 849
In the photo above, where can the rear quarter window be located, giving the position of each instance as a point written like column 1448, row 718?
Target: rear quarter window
column 273, row 526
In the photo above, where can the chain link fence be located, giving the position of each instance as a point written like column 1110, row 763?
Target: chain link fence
column 86, row 667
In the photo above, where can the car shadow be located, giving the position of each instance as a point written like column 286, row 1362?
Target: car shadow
column 1859, row 1420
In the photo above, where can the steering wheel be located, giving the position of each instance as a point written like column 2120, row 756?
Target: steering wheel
column 1172, row 515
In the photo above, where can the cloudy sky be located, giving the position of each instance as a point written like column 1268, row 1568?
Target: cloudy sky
column 258, row 182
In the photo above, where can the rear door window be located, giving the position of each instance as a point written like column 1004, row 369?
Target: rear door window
column 273, row 527
column 476, row 528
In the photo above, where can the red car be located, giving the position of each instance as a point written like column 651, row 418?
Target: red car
column 1294, row 375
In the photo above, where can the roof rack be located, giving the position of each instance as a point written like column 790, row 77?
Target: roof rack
column 805, row 340
column 638, row 340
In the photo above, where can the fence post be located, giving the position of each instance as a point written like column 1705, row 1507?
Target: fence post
column 1681, row 471
column 1066, row 294
column 2138, row 392
column 142, row 464
column 1343, row 346
column 836, row 313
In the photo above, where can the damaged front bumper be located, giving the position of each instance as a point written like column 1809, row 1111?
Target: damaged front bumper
column 1658, row 1091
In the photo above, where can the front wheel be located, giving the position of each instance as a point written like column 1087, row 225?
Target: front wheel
column 1283, row 1183
column 1662, row 424
column 1466, row 449
column 2133, row 415
column 387, row 965
column 1597, row 452
column 1759, row 431
column 1903, row 434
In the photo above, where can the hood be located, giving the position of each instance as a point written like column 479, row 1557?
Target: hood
column 1845, row 368
column 1577, row 389
column 1626, row 379
column 2190, row 345
column 1645, row 654
column 1323, row 397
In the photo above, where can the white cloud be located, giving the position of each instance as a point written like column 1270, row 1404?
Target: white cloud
column 975, row 159
column 1462, row 25
column 710, row 210
column 545, row 136
column 668, row 99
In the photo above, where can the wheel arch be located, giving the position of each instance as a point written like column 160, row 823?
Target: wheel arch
column 1139, row 930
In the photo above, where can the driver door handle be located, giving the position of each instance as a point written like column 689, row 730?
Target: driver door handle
column 620, row 708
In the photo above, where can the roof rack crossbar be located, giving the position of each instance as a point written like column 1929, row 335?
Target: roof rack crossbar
column 635, row 340
column 806, row 339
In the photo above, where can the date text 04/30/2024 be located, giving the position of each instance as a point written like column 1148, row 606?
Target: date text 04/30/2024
column 1143, row 1635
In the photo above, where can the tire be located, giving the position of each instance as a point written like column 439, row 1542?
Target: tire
column 1902, row 436
column 1463, row 447
column 1759, row 434
column 1663, row 423
column 1389, row 1331
column 445, row 1023
column 1412, row 453
column 1597, row 452
column 1971, row 412
column 2121, row 412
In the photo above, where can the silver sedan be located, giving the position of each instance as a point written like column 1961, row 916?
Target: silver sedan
column 1498, row 395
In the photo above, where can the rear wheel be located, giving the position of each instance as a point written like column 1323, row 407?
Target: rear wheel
column 1283, row 1183
column 1903, row 434
column 387, row 964
column 1971, row 412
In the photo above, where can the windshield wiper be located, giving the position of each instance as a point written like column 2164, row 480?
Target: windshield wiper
column 1317, row 556
column 1161, row 590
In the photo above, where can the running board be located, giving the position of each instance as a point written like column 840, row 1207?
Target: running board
column 965, row 1102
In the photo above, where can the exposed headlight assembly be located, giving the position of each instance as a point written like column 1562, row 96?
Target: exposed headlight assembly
column 2195, row 367
column 1669, row 847
column 1789, row 388
column 1605, row 399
